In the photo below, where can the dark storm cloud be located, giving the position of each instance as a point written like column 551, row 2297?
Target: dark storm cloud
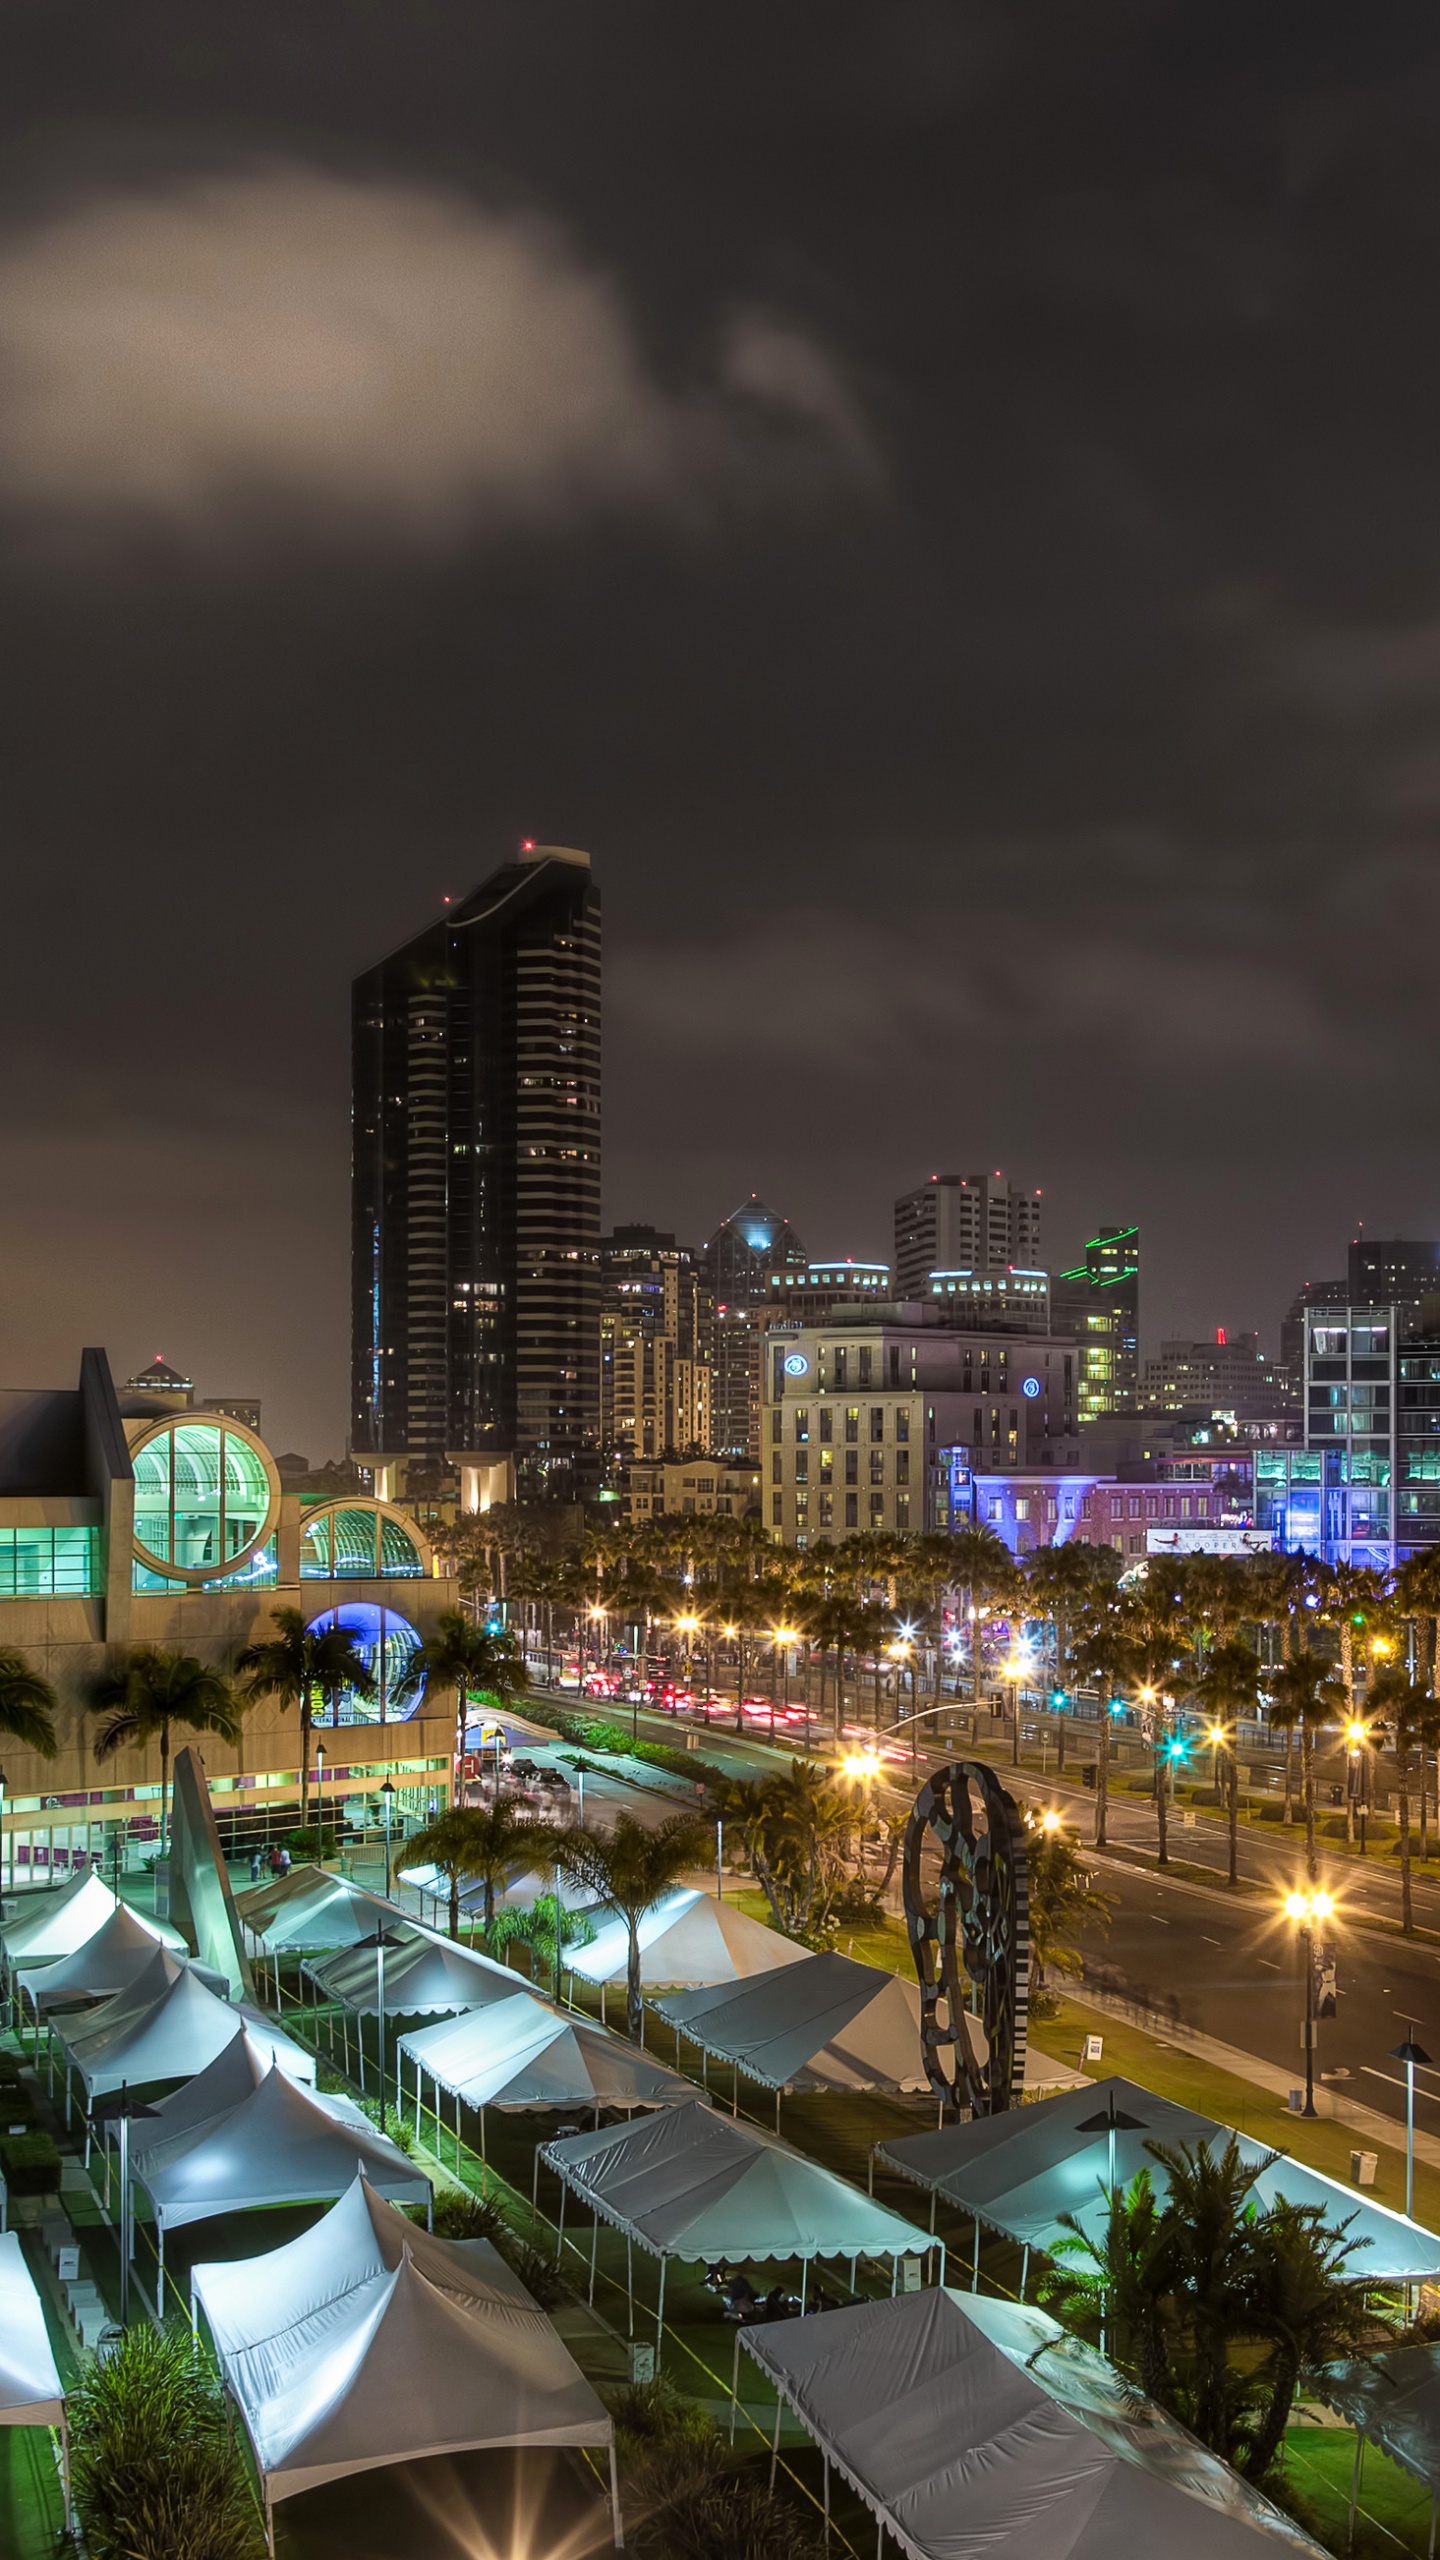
column 941, row 500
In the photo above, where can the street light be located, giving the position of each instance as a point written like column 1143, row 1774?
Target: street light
column 320, row 1795
column 387, row 1799
column 2, row 1841
column 1357, row 1735
column 781, row 1637
column 1415, row 2058
column 382, row 1939
column 118, row 2107
column 1307, row 1910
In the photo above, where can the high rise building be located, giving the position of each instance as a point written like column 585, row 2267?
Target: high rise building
column 476, row 1189
column 1231, row 1374
column 963, row 1222
column 1098, row 1303
column 654, row 1373
column 736, row 1266
column 1392, row 1271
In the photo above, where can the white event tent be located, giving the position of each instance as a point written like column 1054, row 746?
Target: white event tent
column 1020, row 2171
column 31, row 2392
column 280, row 2145
column 425, row 1975
column 310, row 1908
column 238, row 2067
column 688, row 1938
column 50, row 1925
column 367, row 2342
column 825, row 2023
column 687, row 2183
column 525, row 2053
column 976, row 2429
column 166, row 2026
column 1393, row 2400
column 108, row 1961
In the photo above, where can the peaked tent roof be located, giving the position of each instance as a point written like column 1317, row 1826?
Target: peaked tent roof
column 166, row 2026
column 382, row 2345
column 238, row 2068
column 1020, row 2171
column 687, row 2183
column 523, row 2053
column 425, row 1975
column 975, row 2429
column 69, row 1919
column 31, row 2393
column 689, row 1937
column 113, row 1957
column 278, row 2146
column 1394, row 2399
column 309, row 1908
column 825, row 2023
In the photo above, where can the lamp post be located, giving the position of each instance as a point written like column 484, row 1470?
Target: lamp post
column 1414, row 2057
column 2, row 1841
column 782, row 1638
column 1306, row 1910
column 1110, row 2121
column 688, row 1625
column 387, row 1798
column 381, row 1939
column 320, row 1796
column 1357, row 1734
column 730, row 1633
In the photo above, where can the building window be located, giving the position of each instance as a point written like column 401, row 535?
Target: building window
column 877, row 1422
column 43, row 1564
column 777, row 1424
column 902, row 1466
column 864, row 1378
column 1137, row 1544
column 902, row 1510
column 827, row 1466
column 894, row 1364
column 802, row 1466
column 852, row 1466
column 902, row 1422
column 777, row 1466
column 1085, row 1506
column 1152, row 1506
column 802, row 1422
column 877, row 1509
column 827, row 1423
column 802, row 1509
column 852, row 1510
column 1022, row 1506
column 877, row 1466
column 852, row 1422
column 1134, row 1506
column 827, row 1511
column 842, row 1363
column 777, row 1510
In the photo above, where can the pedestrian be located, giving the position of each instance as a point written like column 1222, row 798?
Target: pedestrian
column 284, row 1862
column 254, row 1866
column 276, row 1869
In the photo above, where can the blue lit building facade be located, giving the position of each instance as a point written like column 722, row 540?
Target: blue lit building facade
column 1365, row 1489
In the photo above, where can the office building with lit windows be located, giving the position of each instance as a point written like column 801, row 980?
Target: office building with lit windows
column 1098, row 1304
column 475, row 1320
column 855, row 1410
column 1365, row 1489
column 737, row 1265
column 654, row 1373
column 137, row 1516
column 964, row 1222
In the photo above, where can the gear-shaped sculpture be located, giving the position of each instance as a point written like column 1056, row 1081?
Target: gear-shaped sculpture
column 981, row 1921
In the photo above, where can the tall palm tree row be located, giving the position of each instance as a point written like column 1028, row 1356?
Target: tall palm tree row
column 145, row 1695
column 476, row 1662
column 27, row 1704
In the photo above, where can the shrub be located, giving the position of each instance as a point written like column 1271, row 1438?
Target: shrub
column 17, row 2103
column 651, row 2414
column 32, row 2164
column 705, row 2507
column 540, row 2277
column 156, row 2474
column 312, row 1842
column 462, row 2215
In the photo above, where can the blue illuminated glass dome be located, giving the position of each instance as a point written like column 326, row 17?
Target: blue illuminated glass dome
column 387, row 1644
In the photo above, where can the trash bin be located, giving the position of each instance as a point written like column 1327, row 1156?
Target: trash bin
column 1363, row 2165
column 1296, row 2102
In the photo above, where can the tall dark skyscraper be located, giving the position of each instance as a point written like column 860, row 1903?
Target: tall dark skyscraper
column 476, row 1188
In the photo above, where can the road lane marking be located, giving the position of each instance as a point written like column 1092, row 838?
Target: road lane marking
column 1271, row 1963
column 1212, row 1942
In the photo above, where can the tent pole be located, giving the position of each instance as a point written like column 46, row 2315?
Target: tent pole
column 660, row 2317
column 594, row 2254
column 1024, row 2273
column 825, row 2488
column 616, row 2518
column 1354, row 2490
column 535, row 2189
column 894, row 2277
column 630, row 2282
column 804, row 2283
column 160, row 2266
column 777, row 2110
column 854, row 2271
column 975, row 2262
column 942, row 2263
column 934, row 2200
column 560, row 2226
column 870, row 2173
column 417, row 2098
column 65, row 2468
column 1434, row 2519
column 775, row 2447
column 735, row 2387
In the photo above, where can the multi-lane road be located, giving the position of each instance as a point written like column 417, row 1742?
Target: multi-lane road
column 1229, row 1962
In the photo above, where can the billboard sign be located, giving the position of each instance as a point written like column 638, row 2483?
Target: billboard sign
column 1209, row 1542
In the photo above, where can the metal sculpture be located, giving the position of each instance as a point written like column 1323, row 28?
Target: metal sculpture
column 980, row 1925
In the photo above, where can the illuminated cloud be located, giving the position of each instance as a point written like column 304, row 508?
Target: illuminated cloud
column 370, row 351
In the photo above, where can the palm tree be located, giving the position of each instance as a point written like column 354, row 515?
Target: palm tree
column 1304, row 1692
column 1312, row 2312
column 628, row 1870
column 27, row 1704
column 146, row 1694
column 292, row 1665
column 1229, row 1683
column 1062, row 1582
column 475, row 1662
column 487, row 1842
column 1412, row 1716
column 1063, row 1902
column 1106, row 1655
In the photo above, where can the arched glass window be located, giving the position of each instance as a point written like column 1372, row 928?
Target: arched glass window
column 204, row 1500
column 387, row 1644
column 357, row 1539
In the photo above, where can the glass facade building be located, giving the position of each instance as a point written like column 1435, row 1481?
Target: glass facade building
column 1366, row 1487
column 476, row 1182
column 43, row 1564
column 205, row 1498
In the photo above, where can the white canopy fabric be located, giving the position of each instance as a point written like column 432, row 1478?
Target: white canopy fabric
column 166, row 2026
column 1394, row 2399
column 367, row 2342
column 109, row 1961
column 237, row 2069
column 523, row 2053
column 423, row 1976
column 1020, row 2171
column 975, row 2429
column 31, row 2394
column 71, row 1918
column 310, row 1908
column 825, row 2023
column 688, row 1938
column 687, row 2183
column 524, row 1888
column 279, row 2145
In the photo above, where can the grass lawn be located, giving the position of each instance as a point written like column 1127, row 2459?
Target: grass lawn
column 1393, row 2509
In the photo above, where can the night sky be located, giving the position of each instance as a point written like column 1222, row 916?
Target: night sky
column 943, row 502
